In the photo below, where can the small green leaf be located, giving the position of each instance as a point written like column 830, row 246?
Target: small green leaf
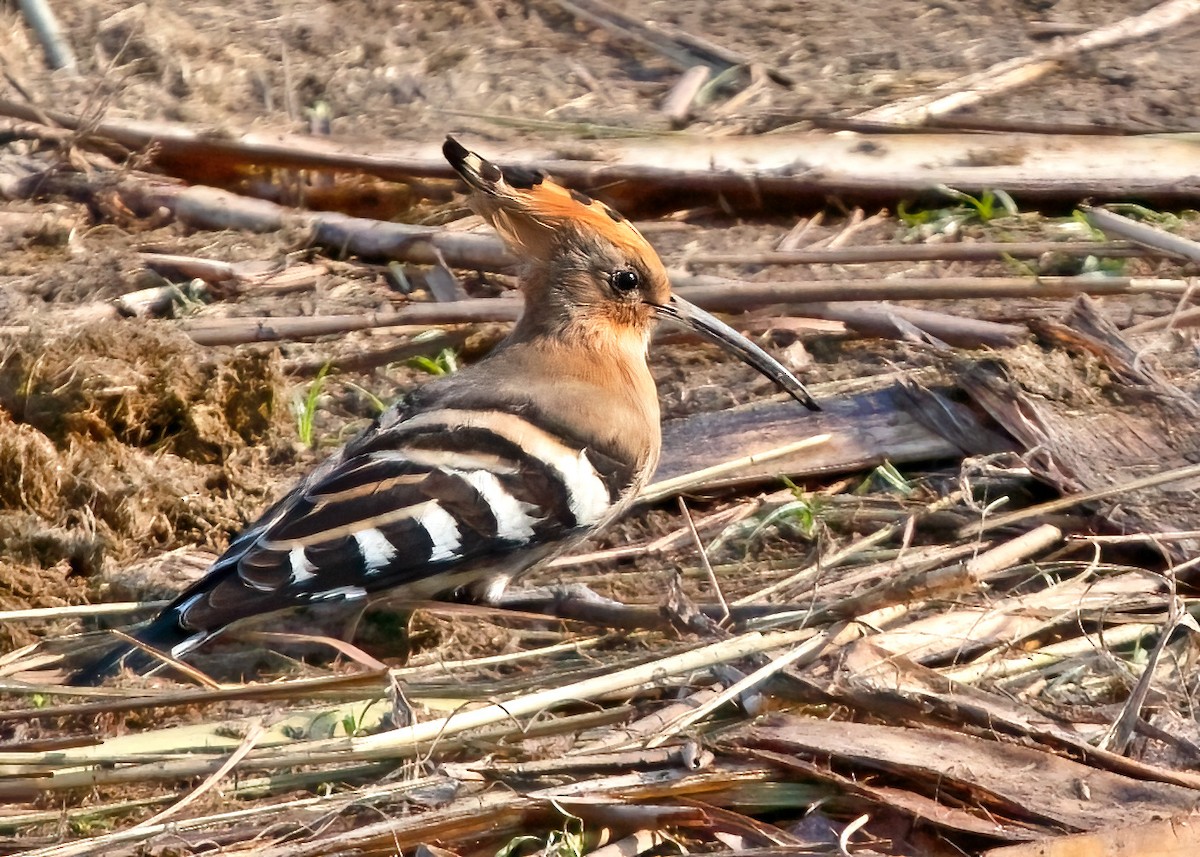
column 306, row 410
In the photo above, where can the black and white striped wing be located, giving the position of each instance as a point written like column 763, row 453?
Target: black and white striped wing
column 427, row 504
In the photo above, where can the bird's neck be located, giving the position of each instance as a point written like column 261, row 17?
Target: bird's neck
column 601, row 383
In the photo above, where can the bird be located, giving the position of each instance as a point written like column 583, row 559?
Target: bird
column 473, row 478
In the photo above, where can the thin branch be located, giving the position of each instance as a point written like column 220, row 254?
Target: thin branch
column 708, row 569
column 235, row 331
column 732, row 295
column 978, row 252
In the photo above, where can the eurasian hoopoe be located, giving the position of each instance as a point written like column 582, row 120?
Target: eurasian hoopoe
column 475, row 477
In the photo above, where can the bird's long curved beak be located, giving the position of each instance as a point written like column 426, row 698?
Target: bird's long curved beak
column 693, row 318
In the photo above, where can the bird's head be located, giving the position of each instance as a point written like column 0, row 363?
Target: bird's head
column 589, row 274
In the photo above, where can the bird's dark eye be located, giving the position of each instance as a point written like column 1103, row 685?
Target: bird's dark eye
column 625, row 280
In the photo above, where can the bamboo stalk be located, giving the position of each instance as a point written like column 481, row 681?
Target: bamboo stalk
column 113, row 608
column 1051, row 654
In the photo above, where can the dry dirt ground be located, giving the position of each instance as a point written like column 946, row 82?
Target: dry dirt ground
column 120, row 441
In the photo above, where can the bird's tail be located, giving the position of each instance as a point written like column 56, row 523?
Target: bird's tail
column 163, row 634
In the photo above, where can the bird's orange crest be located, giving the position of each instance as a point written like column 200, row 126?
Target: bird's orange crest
column 528, row 209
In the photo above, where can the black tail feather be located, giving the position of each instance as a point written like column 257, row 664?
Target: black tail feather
column 163, row 634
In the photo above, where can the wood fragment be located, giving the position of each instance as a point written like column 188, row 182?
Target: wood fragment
column 884, row 683
column 863, row 430
column 1178, row 836
column 677, row 106
column 1005, row 778
column 192, row 267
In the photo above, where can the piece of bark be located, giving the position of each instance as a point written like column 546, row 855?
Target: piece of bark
column 883, row 684
column 1178, row 836
column 865, row 430
column 1004, row 778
